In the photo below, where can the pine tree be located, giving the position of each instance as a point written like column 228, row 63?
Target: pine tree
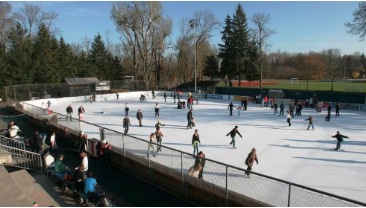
column 211, row 68
column 19, row 57
column 226, row 50
column 100, row 59
column 45, row 57
column 240, row 41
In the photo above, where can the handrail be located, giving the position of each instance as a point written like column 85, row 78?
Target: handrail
column 10, row 142
column 23, row 158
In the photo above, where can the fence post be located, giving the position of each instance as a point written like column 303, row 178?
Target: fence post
column 181, row 166
column 226, row 186
column 289, row 195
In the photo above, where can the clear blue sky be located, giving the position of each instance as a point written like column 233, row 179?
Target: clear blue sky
column 301, row 26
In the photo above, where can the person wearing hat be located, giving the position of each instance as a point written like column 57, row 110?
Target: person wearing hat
column 233, row 134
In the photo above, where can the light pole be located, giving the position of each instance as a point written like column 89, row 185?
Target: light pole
column 193, row 23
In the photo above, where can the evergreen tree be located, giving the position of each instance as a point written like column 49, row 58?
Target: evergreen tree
column 252, row 73
column 100, row 59
column 211, row 67
column 18, row 58
column 240, row 41
column 65, row 59
column 226, row 50
column 45, row 57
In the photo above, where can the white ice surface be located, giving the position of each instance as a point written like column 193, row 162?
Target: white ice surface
column 293, row 153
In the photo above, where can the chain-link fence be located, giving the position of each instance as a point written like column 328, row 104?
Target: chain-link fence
column 222, row 179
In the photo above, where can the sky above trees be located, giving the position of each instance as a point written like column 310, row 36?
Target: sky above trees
column 300, row 26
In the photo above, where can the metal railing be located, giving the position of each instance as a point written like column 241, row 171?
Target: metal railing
column 21, row 158
column 10, row 142
column 231, row 180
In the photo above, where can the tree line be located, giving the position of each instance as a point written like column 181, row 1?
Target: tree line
column 32, row 51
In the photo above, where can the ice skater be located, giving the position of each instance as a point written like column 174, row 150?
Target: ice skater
column 288, row 118
column 165, row 96
column 139, row 117
column 159, row 138
column 189, row 118
column 151, row 146
column 153, row 94
column 69, row 112
column 233, row 134
column 117, row 96
column 157, row 110
column 252, row 156
column 275, row 106
column 340, row 139
column 159, row 124
column 310, row 119
column 230, row 107
column 282, row 108
column 337, row 109
column 142, row 98
column 126, row 109
column 81, row 112
column 195, row 141
column 126, row 123
column 327, row 118
column 238, row 108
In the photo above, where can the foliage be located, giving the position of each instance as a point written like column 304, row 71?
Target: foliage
column 211, row 68
column 358, row 24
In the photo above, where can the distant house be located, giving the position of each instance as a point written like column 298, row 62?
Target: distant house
column 81, row 86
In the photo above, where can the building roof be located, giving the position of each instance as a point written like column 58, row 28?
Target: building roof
column 81, row 81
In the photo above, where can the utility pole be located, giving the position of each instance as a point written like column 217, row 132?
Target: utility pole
column 193, row 23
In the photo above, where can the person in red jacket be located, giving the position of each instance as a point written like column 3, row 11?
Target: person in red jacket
column 252, row 156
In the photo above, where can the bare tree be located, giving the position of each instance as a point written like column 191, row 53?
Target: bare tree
column 203, row 24
column 135, row 21
column 261, row 33
column 32, row 15
column 6, row 21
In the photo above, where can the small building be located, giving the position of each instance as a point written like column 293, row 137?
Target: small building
column 81, row 86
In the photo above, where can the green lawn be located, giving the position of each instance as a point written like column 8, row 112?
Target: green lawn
column 317, row 85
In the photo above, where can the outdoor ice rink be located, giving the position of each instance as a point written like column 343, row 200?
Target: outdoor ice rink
column 293, row 153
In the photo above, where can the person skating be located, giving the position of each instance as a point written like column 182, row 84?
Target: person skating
column 195, row 141
column 327, row 118
column 230, row 107
column 310, row 119
column 337, row 109
column 165, row 96
column 200, row 159
column 159, row 138
column 249, row 161
column 282, row 108
column 117, row 95
column 339, row 139
column 69, row 111
column 275, row 106
column 159, row 124
column 151, row 146
column 189, row 118
column 157, row 109
column 126, row 123
column 126, row 109
column 153, row 94
column 289, row 118
column 142, row 98
column 245, row 102
column 139, row 117
column 233, row 134
column 174, row 95
column 81, row 112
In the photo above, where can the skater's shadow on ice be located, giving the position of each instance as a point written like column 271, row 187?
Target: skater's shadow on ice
column 346, row 142
column 315, row 148
column 332, row 160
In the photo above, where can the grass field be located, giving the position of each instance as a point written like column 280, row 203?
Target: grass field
column 313, row 85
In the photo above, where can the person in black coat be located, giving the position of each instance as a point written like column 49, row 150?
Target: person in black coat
column 189, row 118
column 233, row 134
column 230, row 107
column 327, row 118
column 282, row 108
column 340, row 139
column 337, row 109
column 245, row 102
